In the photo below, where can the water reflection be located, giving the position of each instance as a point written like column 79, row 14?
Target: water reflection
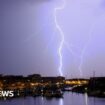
column 69, row 99
column 38, row 101
column 61, row 101
column 23, row 102
column 86, row 99
column 42, row 102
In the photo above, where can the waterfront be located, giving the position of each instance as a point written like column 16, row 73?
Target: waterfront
column 68, row 99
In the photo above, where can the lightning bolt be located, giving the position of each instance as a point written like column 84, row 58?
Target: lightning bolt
column 56, row 9
column 85, row 48
column 69, row 47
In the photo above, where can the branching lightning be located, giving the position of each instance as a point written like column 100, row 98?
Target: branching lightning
column 84, row 49
column 61, row 35
column 69, row 47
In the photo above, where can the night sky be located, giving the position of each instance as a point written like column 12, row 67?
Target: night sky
column 29, row 39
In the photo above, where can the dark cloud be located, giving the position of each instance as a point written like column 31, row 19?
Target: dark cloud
column 102, row 4
column 37, row 1
column 30, row 1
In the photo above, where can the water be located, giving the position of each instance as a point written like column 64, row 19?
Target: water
column 69, row 99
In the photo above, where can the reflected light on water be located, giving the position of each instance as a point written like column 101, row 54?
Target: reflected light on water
column 86, row 99
column 42, row 101
column 23, row 103
column 61, row 102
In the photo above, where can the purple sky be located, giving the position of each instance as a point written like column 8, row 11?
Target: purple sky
column 29, row 39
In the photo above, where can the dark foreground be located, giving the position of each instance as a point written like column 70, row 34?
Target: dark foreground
column 35, row 85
